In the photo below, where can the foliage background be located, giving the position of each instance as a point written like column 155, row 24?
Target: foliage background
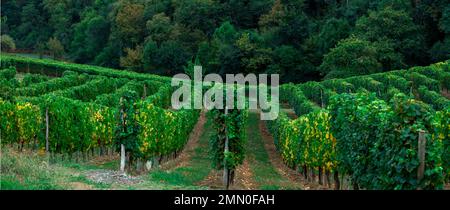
column 300, row 39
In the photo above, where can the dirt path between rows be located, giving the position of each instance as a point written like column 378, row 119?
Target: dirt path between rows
column 278, row 164
column 284, row 107
column 115, row 177
column 243, row 178
column 445, row 93
column 80, row 186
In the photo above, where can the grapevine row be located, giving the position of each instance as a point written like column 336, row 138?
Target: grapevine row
column 77, row 125
column 56, row 68
column 372, row 141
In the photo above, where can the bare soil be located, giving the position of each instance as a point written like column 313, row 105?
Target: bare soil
column 445, row 93
column 112, row 177
column 243, row 179
column 80, row 186
column 288, row 110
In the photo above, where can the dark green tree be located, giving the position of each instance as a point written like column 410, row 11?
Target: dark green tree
column 396, row 27
column 90, row 37
column 352, row 56
column 166, row 59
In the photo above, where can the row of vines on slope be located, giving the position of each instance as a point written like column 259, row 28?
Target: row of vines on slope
column 423, row 83
column 85, row 112
column 372, row 141
column 56, row 68
column 377, row 143
column 9, row 82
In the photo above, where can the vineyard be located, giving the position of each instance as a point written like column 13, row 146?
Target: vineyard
column 368, row 128
column 387, row 130
column 76, row 113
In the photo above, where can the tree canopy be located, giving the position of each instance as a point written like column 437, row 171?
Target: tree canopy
column 301, row 40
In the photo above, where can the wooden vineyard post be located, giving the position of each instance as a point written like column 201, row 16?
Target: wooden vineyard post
column 122, row 147
column 145, row 91
column 226, row 173
column 421, row 155
column 46, row 131
column 328, row 174
column 321, row 97
column 122, row 158
column 320, row 176
column 411, row 90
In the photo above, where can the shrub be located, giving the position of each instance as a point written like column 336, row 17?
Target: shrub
column 7, row 43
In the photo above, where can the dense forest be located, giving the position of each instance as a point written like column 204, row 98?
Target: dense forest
column 299, row 39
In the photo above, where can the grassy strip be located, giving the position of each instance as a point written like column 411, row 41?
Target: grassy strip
column 264, row 174
column 30, row 172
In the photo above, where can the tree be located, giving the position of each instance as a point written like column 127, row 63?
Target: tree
column 444, row 22
column 295, row 29
column 159, row 27
column 350, row 10
column 224, row 54
column 331, row 33
column 190, row 67
column 231, row 36
column 189, row 38
column 153, row 7
column 286, row 24
column 351, row 56
column 226, row 33
column 40, row 49
column 254, row 57
column 291, row 64
column 55, row 47
column 202, row 15
column 60, row 19
column 7, row 43
column 130, row 23
column 32, row 26
column 4, row 24
column 440, row 50
column 274, row 17
column 110, row 55
column 90, row 36
column 387, row 56
column 245, row 13
column 397, row 27
column 167, row 59
column 133, row 59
